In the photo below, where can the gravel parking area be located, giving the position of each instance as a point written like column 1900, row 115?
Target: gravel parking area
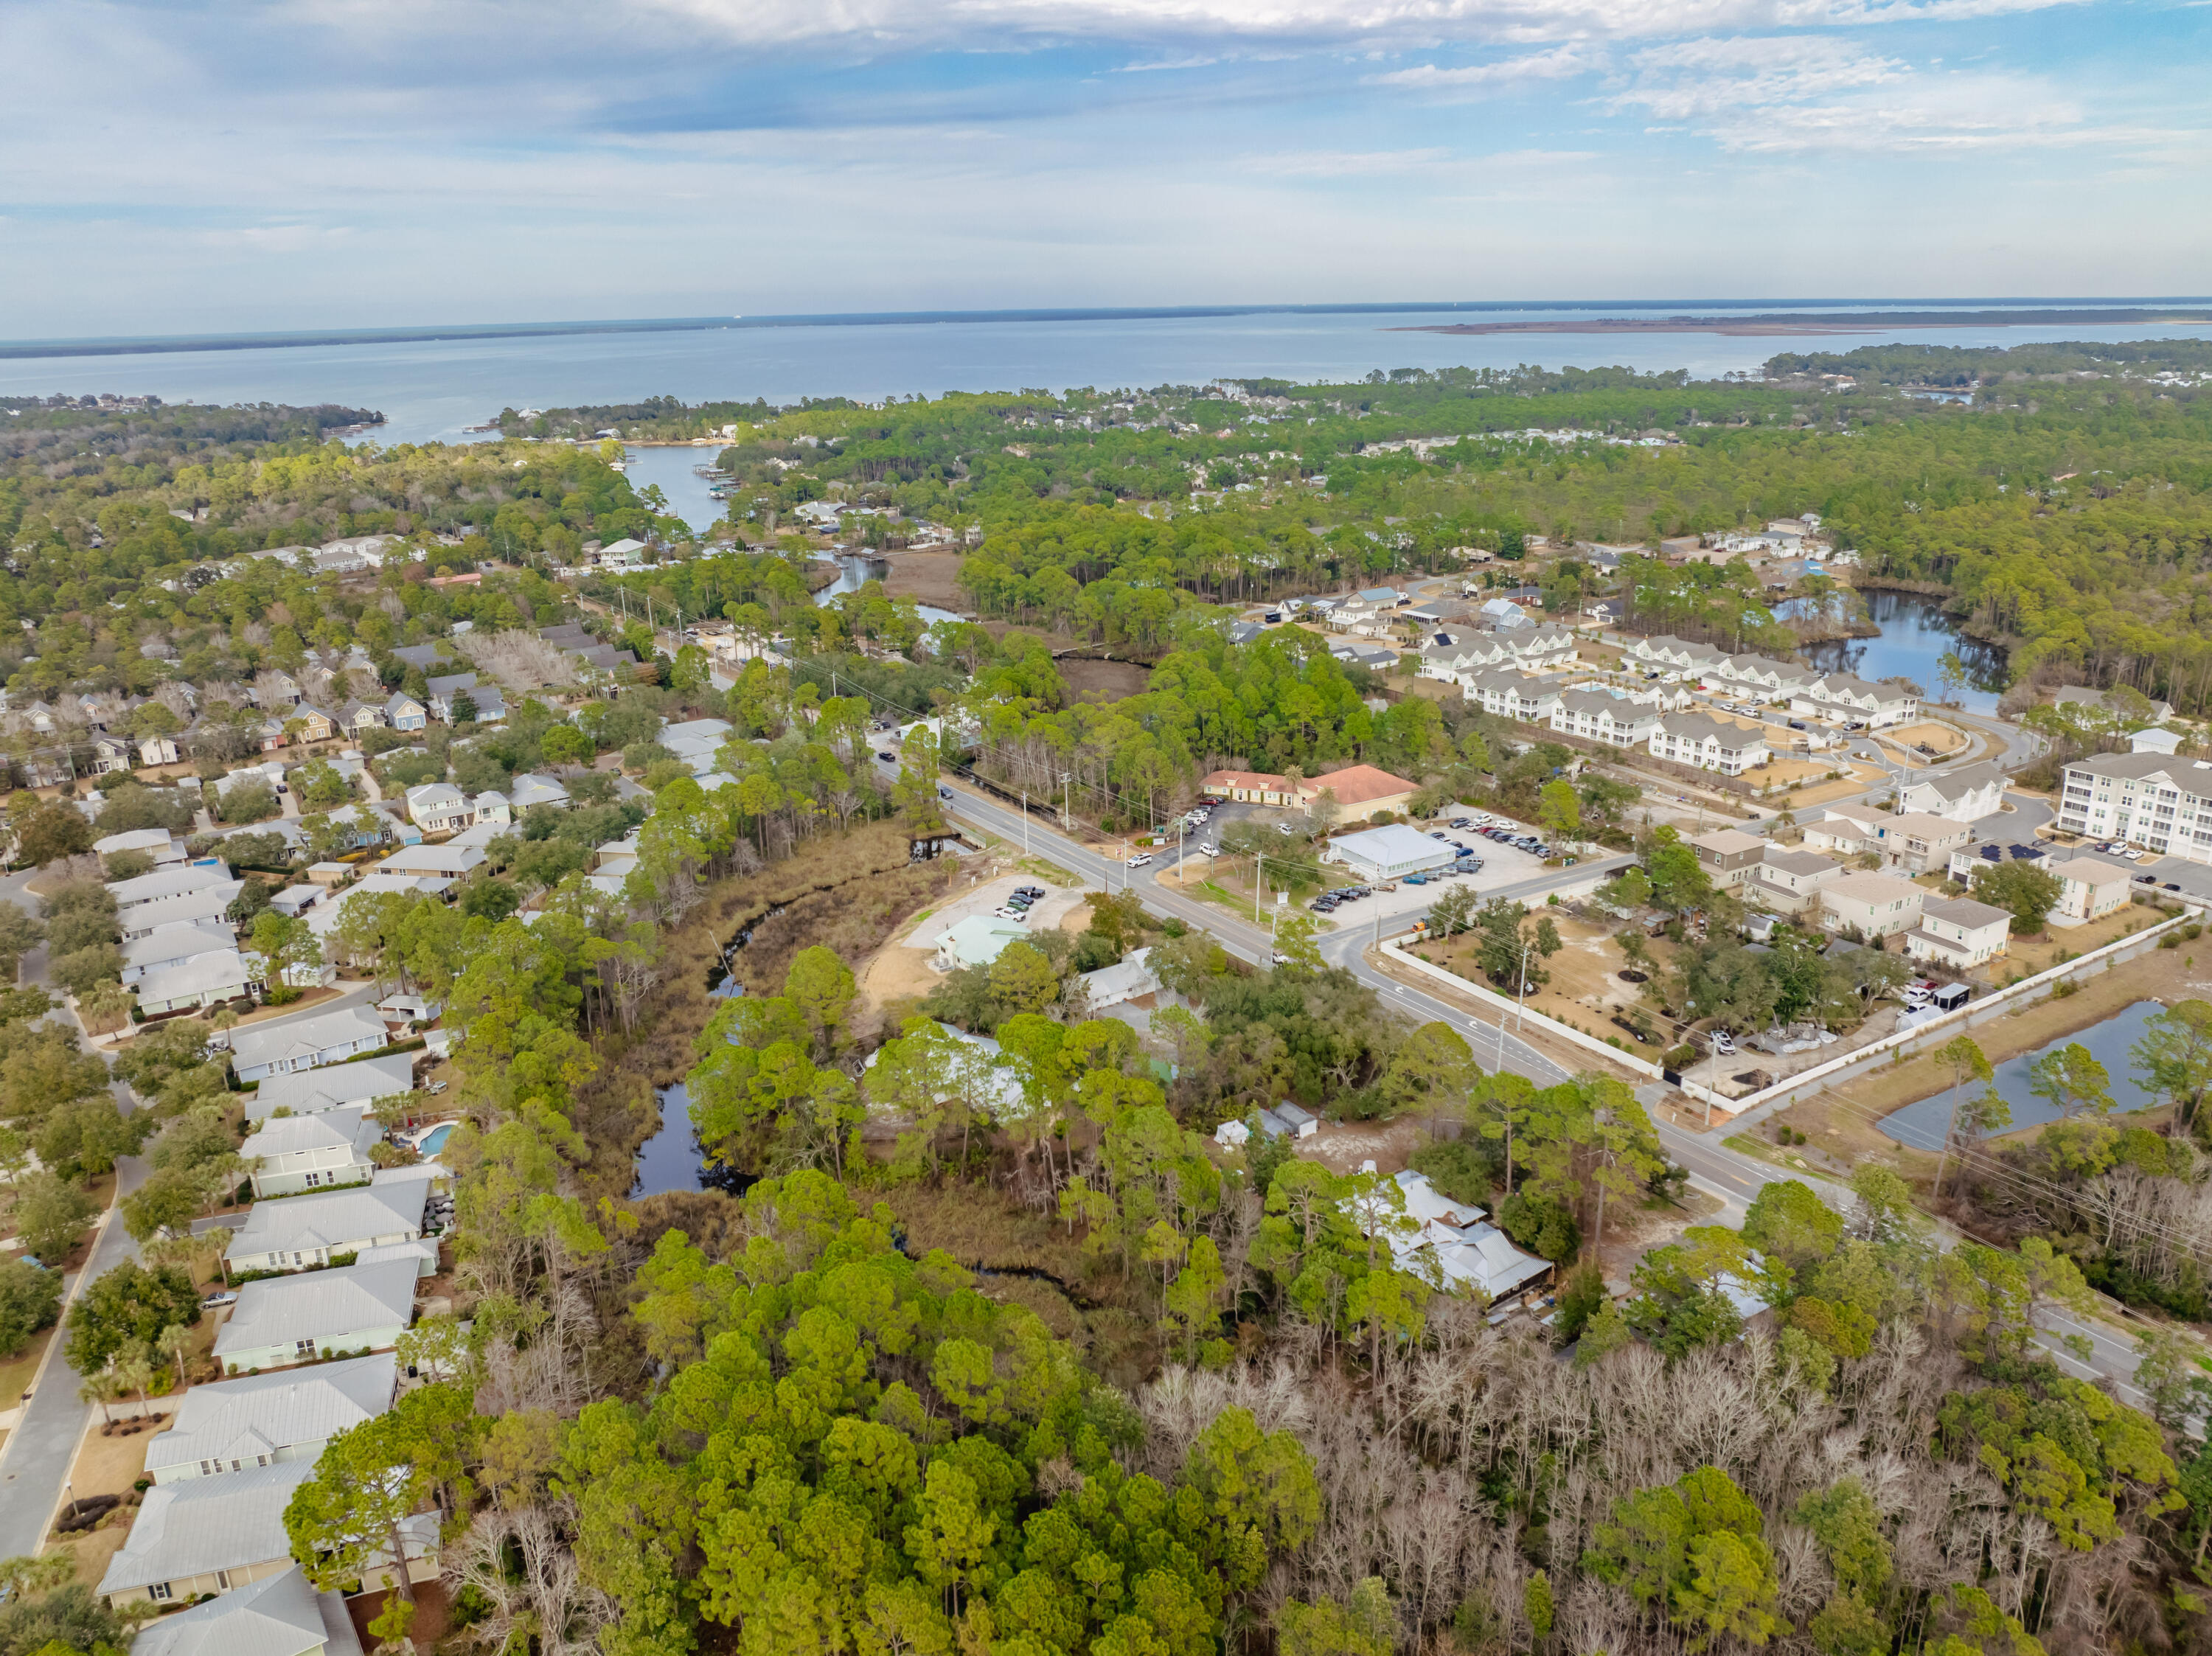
column 986, row 895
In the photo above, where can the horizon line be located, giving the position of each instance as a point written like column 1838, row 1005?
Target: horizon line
column 160, row 344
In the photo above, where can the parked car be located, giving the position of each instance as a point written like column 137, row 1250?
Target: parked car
column 888, row 758
column 1799, row 725
column 1285, row 829
column 216, row 1302
column 1142, row 859
column 1723, row 1044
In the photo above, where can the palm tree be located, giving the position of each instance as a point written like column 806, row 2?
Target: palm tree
column 172, row 1344
column 99, row 1388
column 134, row 1373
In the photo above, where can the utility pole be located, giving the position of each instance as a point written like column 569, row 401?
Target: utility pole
column 1025, row 825
column 1259, row 881
column 1521, row 991
column 1067, row 801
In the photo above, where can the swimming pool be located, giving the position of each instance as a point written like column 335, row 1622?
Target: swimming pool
column 435, row 1140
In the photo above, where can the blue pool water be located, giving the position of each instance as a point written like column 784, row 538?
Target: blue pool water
column 435, row 1140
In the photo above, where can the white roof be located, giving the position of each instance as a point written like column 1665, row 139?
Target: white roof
column 167, row 883
column 448, row 860
column 182, row 908
column 278, row 1311
column 280, row 1615
column 434, row 794
column 201, row 1525
column 980, row 938
column 260, row 1414
column 177, row 943
column 1394, row 846
column 347, row 1127
column 530, row 789
column 293, row 1038
column 338, row 1220
column 218, row 969
column 1127, row 977
column 309, row 1091
column 148, row 839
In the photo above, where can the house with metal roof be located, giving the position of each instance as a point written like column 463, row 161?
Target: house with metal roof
column 184, row 908
column 446, row 862
column 312, row 1230
column 266, row 1049
column 1388, row 852
column 280, row 1615
column 311, row 1091
column 164, row 848
column 531, row 789
column 293, row 1153
column 165, row 883
column 260, row 1420
column 207, row 1535
column 438, row 807
column 282, row 1320
column 172, row 946
column 978, row 940
column 204, row 980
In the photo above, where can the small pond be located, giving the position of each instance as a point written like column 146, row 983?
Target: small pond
column 1915, row 635
column 671, row 1158
column 856, row 570
column 1921, row 1125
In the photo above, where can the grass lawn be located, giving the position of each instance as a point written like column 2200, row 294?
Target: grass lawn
column 1585, row 989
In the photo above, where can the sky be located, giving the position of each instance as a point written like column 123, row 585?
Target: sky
column 186, row 165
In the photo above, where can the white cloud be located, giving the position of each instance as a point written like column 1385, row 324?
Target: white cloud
column 1560, row 64
column 1342, row 163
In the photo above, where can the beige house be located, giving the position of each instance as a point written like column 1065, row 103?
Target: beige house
column 1873, row 905
column 1729, row 856
column 1960, row 934
column 1914, row 841
column 2088, row 888
column 1789, row 882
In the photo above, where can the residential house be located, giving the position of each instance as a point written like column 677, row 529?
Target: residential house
column 304, row 1231
column 1729, row 856
column 1969, row 860
column 202, row 980
column 1603, row 716
column 2104, row 701
column 310, row 1092
column 280, row 1320
column 206, row 1535
column 446, row 862
column 1448, row 1242
column 198, row 907
column 358, row 716
column 491, row 809
column 439, row 808
column 402, row 713
column 1845, row 698
column 2152, row 799
column 530, row 789
column 171, row 882
column 2088, row 889
column 1130, row 979
column 157, row 750
column 293, row 1044
column 1912, row 840
column 1709, row 743
column 1788, row 882
column 2157, row 739
column 165, row 850
column 1512, row 694
column 287, row 1154
column 172, row 946
column 294, row 900
column 1503, row 614
column 329, row 875
column 280, row 1615
column 266, row 1420
column 1873, row 905
column 1959, row 933
column 315, row 725
column 112, row 753
column 1967, row 794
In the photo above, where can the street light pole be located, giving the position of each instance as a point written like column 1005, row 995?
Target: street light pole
column 1259, row 881
column 1025, row 825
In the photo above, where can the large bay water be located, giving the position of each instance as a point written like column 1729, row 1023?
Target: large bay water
column 432, row 390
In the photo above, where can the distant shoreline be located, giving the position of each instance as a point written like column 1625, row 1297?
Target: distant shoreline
column 1765, row 320
column 1846, row 323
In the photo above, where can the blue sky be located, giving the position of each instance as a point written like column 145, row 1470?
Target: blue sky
column 179, row 166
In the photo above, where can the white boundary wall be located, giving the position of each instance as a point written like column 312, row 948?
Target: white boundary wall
column 1789, row 1090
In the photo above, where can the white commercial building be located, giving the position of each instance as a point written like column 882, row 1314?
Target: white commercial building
column 2154, row 800
column 1388, row 853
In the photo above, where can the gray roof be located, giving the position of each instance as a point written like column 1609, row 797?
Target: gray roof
column 292, row 1038
column 335, row 1221
column 1698, row 726
column 216, row 969
column 311, row 1090
column 1967, row 778
column 201, row 1525
column 260, row 1414
column 178, row 943
column 1964, row 910
column 348, row 1125
column 280, row 1615
column 185, row 906
column 1798, row 862
column 530, row 789
column 2194, row 775
column 167, row 883
column 319, row 1304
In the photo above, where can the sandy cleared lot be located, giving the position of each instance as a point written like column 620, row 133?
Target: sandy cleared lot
column 901, row 969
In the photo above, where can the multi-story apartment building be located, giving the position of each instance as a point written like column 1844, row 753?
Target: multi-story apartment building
column 2155, row 800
